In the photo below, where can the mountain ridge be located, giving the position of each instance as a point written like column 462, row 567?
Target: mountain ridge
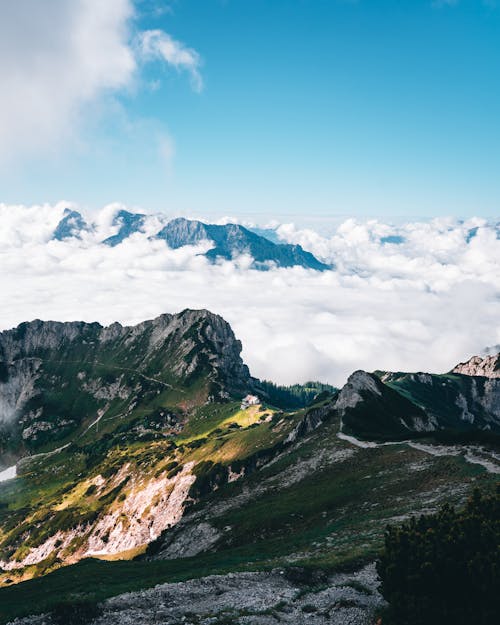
column 229, row 240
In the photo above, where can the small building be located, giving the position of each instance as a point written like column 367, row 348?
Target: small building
column 249, row 400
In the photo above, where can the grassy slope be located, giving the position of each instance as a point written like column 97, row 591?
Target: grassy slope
column 333, row 516
column 438, row 396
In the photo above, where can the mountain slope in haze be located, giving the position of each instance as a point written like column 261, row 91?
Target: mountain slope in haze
column 231, row 240
column 128, row 224
column 71, row 225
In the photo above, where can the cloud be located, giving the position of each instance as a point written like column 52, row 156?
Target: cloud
column 60, row 60
column 56, row 57
column 425, row 303
column 156, row 44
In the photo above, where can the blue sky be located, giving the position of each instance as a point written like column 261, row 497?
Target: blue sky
column 312, row 108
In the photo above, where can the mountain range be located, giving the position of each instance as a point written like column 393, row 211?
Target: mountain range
column 129, row 460
column 228, row 241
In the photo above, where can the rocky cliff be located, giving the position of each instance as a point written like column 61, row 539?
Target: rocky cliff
column 57, row 378
column 487, row 366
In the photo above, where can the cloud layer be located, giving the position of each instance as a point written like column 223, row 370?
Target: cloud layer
column 422, row 296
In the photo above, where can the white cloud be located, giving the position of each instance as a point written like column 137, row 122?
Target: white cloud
column 60, row 60
column 55, row 57
column 424, row 304
column 156, row 44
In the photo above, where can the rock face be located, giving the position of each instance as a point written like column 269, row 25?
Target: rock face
column 127, row 223
column 489, row 366
column 393, row 405
column 232, row 240
column 54, row 376
column 371, row 409
column 71, row 225
column 149, row 506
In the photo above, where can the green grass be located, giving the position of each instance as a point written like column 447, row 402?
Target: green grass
column 333, row 516
column 326, row 520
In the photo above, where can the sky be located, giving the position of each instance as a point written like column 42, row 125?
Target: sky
column 339, row 122
column 285, row 109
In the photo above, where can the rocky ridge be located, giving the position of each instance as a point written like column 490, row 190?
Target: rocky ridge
column 115, row 368
column 487, row 366
column 228, row 241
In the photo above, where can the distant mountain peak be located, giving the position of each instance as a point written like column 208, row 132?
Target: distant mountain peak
column 228, row 240
column 128, row 223
column 231, row 240
column 487, row 366
column 71, row 225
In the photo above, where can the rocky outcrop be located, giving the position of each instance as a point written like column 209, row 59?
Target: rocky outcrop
column 47, row 367
column 148, row 507
column 394, row 405
column 371, row 409
column 489, row 366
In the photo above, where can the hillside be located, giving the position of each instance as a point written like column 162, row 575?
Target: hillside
column 150, row 471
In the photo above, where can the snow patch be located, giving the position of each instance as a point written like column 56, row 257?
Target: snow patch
column 8, row 474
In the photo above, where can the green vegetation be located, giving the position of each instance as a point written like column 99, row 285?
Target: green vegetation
column 444, row 568
column 296, row 395
column 382, row 415
column 274, row 482
column 302, row 511
column 444, row 397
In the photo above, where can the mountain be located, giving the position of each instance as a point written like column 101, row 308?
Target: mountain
column 139, row 467
column 371, row 409
column 55, row 378
column 232, row 240
column 229, row 241
column 71, row 225
column 487, row 366
column 128, row 223
column 267, row 233
column 386, row 405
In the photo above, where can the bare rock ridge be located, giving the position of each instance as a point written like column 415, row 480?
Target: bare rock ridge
column 487, row 366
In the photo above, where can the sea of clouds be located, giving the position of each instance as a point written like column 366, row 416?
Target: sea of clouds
column 416, row 296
